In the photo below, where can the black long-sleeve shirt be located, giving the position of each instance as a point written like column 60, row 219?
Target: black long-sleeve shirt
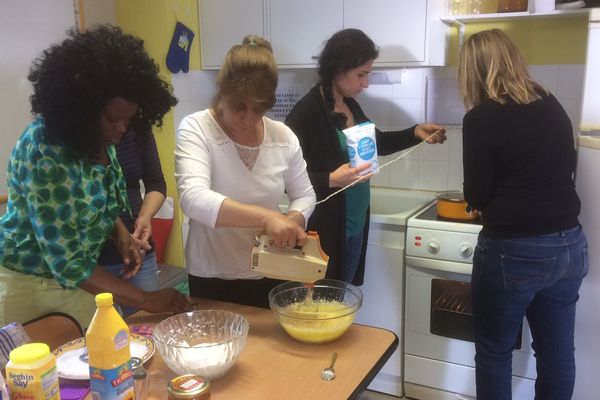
column 139, row 161
column 518, row 163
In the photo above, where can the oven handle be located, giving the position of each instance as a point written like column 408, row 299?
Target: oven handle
column 439, row 265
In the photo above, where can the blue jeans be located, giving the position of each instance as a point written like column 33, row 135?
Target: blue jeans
column 146, row 278
column 352, row 251
column 538, row 278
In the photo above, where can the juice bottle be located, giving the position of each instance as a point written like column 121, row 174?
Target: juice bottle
column 107, row 341
column 31, row 373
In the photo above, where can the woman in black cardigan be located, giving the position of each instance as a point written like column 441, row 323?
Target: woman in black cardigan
column 318, row 119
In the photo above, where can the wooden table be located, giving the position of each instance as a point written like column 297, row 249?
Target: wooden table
column 275, row 366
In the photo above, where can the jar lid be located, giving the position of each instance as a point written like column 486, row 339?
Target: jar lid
column 188, row 385
column 29, row 353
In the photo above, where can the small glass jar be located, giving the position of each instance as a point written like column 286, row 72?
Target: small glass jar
column 189, row 387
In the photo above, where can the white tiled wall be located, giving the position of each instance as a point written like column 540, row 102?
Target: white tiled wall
column 397, row 102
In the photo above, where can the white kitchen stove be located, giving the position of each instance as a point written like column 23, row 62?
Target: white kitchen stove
column 438, row 327
column 433, row 237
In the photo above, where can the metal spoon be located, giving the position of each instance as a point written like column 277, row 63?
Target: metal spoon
column 328, row 373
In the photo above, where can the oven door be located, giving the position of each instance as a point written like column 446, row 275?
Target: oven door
column 438, row 340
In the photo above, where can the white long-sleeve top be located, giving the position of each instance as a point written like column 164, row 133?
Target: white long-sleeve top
column 208, row 170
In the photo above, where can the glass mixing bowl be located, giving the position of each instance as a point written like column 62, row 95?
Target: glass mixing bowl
column 206, row 342
column 319, row 314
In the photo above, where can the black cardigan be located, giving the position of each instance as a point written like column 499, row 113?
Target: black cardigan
column 311, row 122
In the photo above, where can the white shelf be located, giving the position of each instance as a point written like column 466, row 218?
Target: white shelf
column 512, row 16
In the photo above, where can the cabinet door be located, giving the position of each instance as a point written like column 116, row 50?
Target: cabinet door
column 396, row 26
column 224, row 23
column 299, row 28
column 383, row 297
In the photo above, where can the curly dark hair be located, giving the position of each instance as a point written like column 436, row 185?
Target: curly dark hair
column 74, row 80
column 345, row 50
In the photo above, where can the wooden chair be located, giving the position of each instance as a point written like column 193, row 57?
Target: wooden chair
column 54, row 329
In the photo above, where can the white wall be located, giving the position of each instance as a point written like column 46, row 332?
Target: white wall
column 26, row 28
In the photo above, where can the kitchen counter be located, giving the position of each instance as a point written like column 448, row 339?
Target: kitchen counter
column 394, row 206
column 275, row 366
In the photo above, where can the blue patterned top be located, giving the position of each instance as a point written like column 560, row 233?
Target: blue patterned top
column 60, row 209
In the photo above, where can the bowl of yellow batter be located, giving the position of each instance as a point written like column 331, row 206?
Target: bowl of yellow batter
column 319, row 313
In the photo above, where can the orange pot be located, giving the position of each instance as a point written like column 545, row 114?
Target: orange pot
column 452, row 205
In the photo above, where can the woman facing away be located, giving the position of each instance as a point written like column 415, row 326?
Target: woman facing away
column 65, row 186
column 233, row 166
column 531, row 256
column 318, row 120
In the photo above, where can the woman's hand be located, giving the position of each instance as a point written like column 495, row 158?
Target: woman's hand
column 131, row 249
column 284, row 231
column 166, row 300
column 424, row 132
column 298, row 217
column 345, row 175
column 142, row 228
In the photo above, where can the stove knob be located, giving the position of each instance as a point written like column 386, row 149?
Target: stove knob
column 433, row 246
column 465, row 250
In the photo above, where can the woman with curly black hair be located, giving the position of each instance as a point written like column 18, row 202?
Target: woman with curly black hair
column 65, row 185
column 318, row 120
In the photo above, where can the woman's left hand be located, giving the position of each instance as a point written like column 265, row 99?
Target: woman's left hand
column 142, row 229
column 425, row 132
column 132, row 250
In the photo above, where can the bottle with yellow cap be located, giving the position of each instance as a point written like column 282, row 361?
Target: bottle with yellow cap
column 107, row 341
column 31, row 373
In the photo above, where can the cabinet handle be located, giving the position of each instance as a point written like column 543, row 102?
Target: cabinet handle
column 315, row 58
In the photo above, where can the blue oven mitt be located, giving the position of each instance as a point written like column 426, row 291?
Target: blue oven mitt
column 178, row 57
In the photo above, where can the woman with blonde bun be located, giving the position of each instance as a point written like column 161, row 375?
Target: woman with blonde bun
column 233, row 166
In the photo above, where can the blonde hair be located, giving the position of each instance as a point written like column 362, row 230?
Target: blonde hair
column 248, row 72
column 491, row 67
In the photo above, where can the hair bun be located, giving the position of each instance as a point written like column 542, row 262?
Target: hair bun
column 254, row 40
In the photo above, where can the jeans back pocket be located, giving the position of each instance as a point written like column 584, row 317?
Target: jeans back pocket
column 522, row 275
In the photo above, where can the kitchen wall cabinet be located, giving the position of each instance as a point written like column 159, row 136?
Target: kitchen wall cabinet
column 298, row 28
column 408, row 32
column 224, row 23
column 398, row 27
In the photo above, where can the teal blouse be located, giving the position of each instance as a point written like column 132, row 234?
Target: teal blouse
column 60, row 211
column 358, row 198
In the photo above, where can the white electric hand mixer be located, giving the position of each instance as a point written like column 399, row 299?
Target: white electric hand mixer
column 305, row 264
